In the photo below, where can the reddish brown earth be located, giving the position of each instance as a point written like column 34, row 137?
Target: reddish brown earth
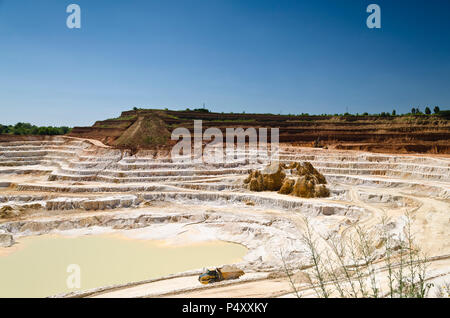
column 393, row 134
column 7, row 138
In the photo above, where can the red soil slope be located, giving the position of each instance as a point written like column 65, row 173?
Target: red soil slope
column 405, row 134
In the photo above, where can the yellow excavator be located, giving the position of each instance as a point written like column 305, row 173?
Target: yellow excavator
column 219, row 274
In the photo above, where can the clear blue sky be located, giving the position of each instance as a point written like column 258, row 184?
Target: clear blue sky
column 234, row 55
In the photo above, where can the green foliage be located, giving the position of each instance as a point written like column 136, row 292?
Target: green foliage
column 201, row 110
column 343, row 116
column 28, row 129
column 444, row 114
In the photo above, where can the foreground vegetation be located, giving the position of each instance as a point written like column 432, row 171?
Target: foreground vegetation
column 28, row 129
column 354, row 266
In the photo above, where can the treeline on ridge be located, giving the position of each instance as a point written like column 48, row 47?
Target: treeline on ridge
column 28, row 129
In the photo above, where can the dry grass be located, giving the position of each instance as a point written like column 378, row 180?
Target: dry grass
column 354, row 267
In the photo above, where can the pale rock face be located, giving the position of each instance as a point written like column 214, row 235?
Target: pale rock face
column 6, row 240
column 287, row 187
column 269, row 179
column 328, row 210
column 273, row 176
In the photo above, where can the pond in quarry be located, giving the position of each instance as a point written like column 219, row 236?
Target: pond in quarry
column 46, row 265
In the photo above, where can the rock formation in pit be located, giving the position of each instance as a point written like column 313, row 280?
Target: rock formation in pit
column 304, row 181
column 269, row 179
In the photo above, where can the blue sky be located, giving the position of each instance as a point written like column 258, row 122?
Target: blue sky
column 233, row 55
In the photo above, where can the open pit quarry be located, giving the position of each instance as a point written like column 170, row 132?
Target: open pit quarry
column 80, row 186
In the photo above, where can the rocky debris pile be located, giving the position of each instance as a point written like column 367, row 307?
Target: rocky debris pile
column 7, row 212
column 6, row 239
column 304, row 181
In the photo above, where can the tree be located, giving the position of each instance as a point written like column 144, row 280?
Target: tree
column 427, row 110
column 34, row 130
column 436, row 109
column 413, row 110
column 201, row 110
column 65, row 130
column 394, row 113
column 28, row 129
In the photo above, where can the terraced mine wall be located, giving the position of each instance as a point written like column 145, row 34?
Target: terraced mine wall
column 60, row 184
column 396, row 134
